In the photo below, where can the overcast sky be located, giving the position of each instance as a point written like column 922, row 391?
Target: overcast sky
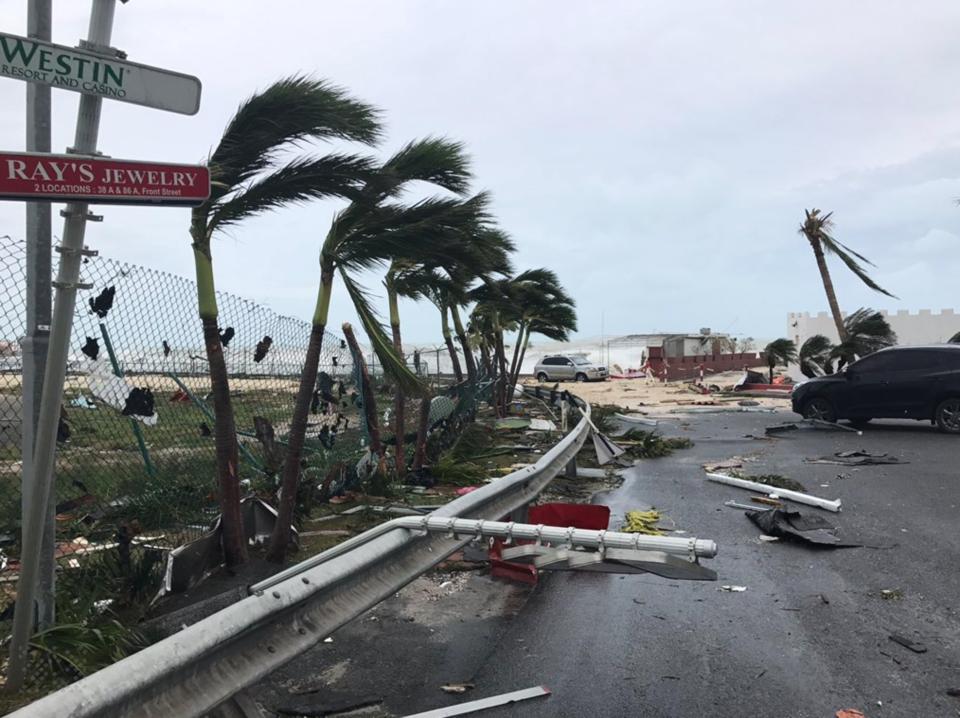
column 658, row 156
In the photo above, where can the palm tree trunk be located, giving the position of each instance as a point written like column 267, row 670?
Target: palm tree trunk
column 485, row 358
column 502, row 366
column 523, row 353
column 225, row 432
column 771, row 372
column 399, row 420
column 462, row 338
column 448, row 340
column 366, row 391
column 516, row 353
column 420, row 452
column 828, row 288
column 290, row 478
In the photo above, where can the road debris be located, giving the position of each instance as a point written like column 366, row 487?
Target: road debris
column 891, row 594
column 850, row 713
column 856, row 458
column 809, row 424
column 800, row 498
column 771, row 500
column 457, row 687
column 642, row 522
column 907, row 643
column 793, row 525
column 735, row 463
column 484, row 703
column 733, row 589
column 636, row 419
column 744, row 507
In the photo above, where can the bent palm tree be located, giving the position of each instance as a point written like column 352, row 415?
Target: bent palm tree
column 368, row 233
column 816, row 356
column 780, row 352
column 816, row 228
column 867, row 332
column 248, row 178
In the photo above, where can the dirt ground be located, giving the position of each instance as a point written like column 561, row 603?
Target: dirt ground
column 656, row 398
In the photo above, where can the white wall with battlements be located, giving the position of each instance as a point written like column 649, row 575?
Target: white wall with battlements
column 922, row 327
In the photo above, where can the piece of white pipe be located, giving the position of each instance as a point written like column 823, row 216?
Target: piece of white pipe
column 634, row 419
column 800, row 498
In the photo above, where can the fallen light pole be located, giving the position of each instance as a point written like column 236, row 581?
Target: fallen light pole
column 797, row 496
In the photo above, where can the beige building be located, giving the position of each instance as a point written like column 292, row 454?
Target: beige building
column 922, row 327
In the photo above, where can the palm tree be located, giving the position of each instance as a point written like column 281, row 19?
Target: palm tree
column 780, row 352
column 541, row 305
column 249, row 177
column 368, row 233
column 816, row 356
column 816, row 228
column 867, row 332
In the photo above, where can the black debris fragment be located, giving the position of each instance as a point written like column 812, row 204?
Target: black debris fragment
column 343, row 343
column 139, row 403
column 226, row 335
column 166, row 348
column 263, row 346
column 907, row 643
column 334, row 360
column 103, row 302
column 204, row 429
column 91, row 348
column 794, row 526
column 856, row 458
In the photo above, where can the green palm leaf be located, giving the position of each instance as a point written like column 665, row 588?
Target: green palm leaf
column 393, row 364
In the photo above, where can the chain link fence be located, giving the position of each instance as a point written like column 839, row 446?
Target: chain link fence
column 135, row 456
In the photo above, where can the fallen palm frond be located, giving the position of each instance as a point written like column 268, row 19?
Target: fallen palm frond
column 650, row 445
column 642, row 522
column 777, row 480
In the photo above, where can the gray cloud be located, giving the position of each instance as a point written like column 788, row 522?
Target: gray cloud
column 658, row 156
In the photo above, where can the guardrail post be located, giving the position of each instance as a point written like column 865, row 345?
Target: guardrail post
column 240, row 706
column 571, row 470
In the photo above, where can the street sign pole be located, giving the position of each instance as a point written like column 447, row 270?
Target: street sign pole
column 68, row 276
column 36, row 338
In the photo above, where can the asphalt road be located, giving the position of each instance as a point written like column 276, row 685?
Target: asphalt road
column 808, row 637
column 645, row 646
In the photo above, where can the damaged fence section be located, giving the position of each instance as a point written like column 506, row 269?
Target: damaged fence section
column 135, row 454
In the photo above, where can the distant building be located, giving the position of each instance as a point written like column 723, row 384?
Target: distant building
column 924, row 327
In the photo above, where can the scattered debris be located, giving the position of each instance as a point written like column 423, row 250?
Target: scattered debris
column 650, row 445
column 139, row 403
column 793, row 525
column 103, row 302
column 953, row 692
column 809, row 424
column 734, row 463
column 856, row 458
column 542, row 425
column 850, row 713
column 457, row 687
column 91, row 348
column 767, row 501
column 762, row 538
column 82, row 402
column 907, row 643
column 744, row 507
column 226, row 336
column 891, row 594
column 733, row 589
column 781, row 493
column 512, row 422
column 484, row 703
column 777, row 480
column 263, row 346
column 204, row 429
column 166, row 349
column 642, row 522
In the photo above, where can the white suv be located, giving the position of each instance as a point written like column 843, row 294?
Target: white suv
column 562, row 367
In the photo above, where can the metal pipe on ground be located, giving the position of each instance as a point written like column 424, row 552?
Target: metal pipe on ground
column 796, row 496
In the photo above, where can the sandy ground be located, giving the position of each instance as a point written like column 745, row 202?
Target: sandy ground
column 649, row 396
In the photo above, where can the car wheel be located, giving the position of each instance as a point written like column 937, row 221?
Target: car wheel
column 861, row 422
column 581, row 377
column 947, row 415
column 542, row 377
column 819, row 408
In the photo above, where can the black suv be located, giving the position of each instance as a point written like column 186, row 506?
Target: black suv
column 899, row 383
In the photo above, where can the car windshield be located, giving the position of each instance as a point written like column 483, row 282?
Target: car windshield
column 580, row 360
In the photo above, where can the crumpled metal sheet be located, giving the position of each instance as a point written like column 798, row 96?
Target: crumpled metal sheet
column 792, row 525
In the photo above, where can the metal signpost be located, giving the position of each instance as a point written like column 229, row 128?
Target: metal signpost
column 81, row 178
column 104, row 181
column 99, row 71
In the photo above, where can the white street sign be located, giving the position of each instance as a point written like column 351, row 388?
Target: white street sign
column 83, row 71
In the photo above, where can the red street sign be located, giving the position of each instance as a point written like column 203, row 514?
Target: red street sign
column 74, row 178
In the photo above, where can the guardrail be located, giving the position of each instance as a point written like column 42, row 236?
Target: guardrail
column 206, row 664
